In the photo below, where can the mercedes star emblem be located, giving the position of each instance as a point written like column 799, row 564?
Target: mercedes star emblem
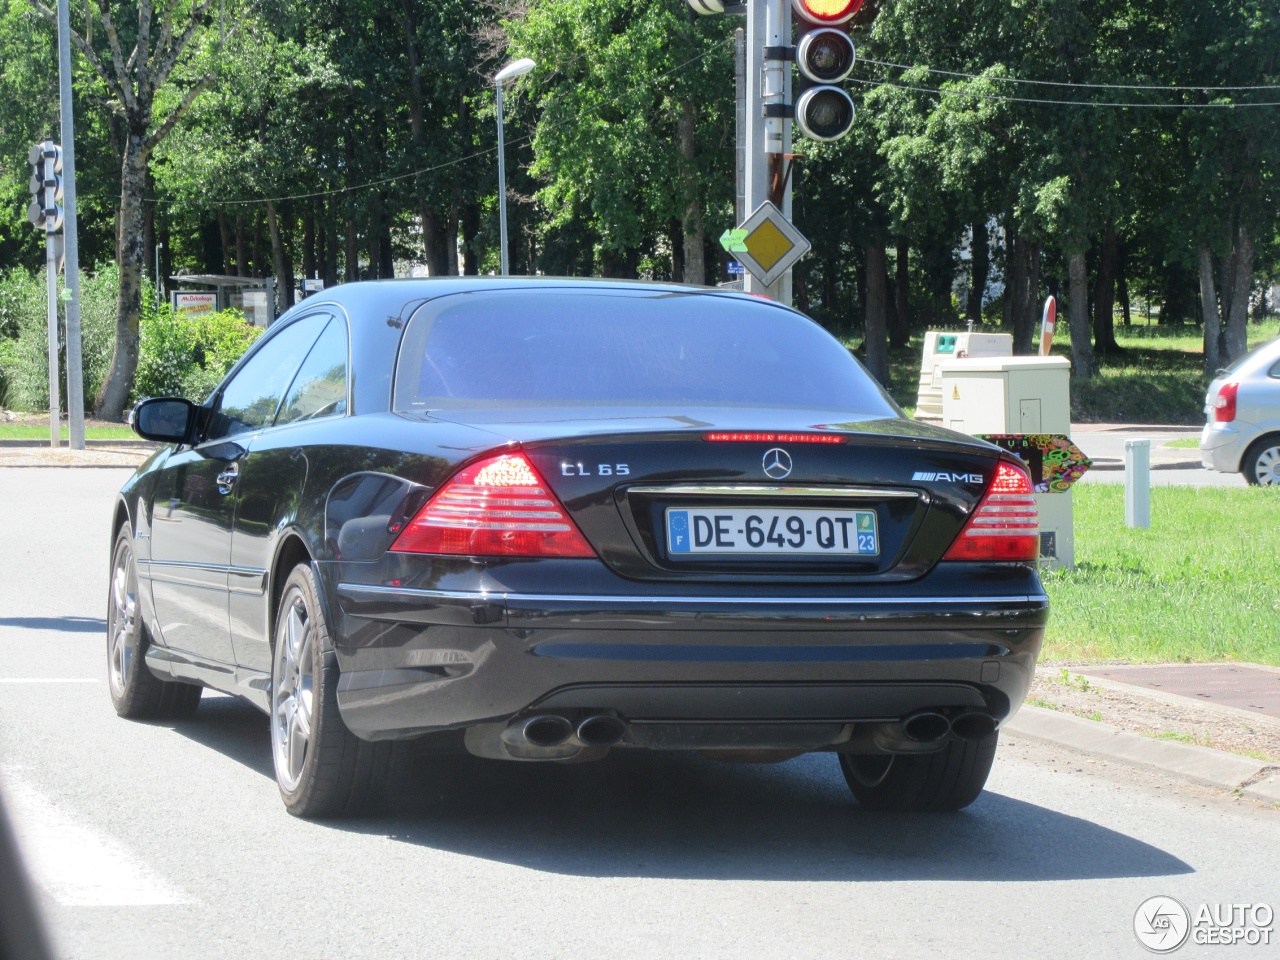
column 777, row 463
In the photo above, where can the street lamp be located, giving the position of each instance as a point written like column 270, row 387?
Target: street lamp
column 509, row 72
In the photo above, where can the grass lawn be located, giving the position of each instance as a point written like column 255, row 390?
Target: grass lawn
column 1203, row 584
column 27, row 431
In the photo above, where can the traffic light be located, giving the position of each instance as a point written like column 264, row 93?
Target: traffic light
column 45, row 211
column 824, row 56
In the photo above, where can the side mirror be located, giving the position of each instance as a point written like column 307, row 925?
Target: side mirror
column 166, row 419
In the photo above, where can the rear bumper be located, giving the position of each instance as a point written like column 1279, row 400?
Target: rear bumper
column 1222, row 445
column 415, row 661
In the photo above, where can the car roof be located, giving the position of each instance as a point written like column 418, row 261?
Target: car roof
column 381, row 297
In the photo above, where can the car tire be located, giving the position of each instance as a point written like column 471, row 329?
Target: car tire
column 136, row 692
column 1261, row 463
column 322, row 768
column 949, row 779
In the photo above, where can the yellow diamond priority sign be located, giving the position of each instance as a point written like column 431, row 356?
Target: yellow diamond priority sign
column 767, row 243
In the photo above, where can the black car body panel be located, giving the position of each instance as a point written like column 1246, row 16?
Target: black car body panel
column 428, row 642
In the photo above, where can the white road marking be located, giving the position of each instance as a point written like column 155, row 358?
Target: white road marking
column 75, row 865
column 49, row 680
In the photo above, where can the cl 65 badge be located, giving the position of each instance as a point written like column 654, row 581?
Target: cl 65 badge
column 602, row 470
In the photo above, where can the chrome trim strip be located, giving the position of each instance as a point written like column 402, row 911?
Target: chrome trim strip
column 469, row 597
column 730, row 490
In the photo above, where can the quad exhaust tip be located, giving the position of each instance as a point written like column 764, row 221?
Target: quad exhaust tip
column 926, row 726
column 601, row 731
column 547, row 730
column 973, row 725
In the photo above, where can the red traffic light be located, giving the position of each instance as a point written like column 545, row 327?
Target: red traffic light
column 826, row 11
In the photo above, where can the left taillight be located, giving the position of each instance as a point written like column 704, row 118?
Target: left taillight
column 1004, row 527
column 495, row 507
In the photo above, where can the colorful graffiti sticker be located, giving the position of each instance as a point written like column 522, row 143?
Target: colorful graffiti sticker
column 1054, row 461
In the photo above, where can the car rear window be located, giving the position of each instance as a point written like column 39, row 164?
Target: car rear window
column 568, row 348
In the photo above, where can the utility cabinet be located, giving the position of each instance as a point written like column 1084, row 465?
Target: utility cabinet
column 939, row 347
column 1017, row 395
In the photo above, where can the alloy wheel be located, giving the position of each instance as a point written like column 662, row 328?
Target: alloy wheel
column 122, row 631
column 292, row 692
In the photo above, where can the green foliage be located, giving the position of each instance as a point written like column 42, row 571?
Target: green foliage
column 24, row 327
column 182, row 356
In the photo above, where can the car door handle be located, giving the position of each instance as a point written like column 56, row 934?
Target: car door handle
column 227, row 478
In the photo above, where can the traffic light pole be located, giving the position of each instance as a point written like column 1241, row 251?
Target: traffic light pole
column 71, row 243
column 768, row 129
column 51, row 263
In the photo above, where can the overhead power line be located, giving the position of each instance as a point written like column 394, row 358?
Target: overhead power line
column 1064, row 83
column 1063, row 103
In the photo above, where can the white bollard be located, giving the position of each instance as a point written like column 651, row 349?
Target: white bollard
column 1137, row 483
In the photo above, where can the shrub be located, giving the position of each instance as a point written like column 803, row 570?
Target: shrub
column 24, row 327
column 183, row 356
column 177, row 356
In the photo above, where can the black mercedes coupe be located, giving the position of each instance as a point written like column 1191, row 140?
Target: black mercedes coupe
column 543, row 519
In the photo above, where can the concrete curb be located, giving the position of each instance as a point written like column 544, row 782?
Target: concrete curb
column 89, row 444
column 1226, row 771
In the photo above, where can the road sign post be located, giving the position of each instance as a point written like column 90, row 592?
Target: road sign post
column 46, row 212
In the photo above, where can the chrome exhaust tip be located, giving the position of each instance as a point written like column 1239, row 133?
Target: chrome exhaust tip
column 601, row 730
column 926, row 726
column 547, row 730
column 973, row 725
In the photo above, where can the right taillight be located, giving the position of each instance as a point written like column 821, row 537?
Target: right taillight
column 1224, row 404
column 1004, row 526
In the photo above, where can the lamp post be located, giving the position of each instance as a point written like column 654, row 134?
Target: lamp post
column 509, row 72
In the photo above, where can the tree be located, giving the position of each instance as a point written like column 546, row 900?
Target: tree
column 149, row 89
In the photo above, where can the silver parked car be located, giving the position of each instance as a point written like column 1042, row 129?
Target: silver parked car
column 1242, row 410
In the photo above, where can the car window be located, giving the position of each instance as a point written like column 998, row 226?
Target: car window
column 250, row 398
column 320, row 387
column 557, row 348
column 1227, row 371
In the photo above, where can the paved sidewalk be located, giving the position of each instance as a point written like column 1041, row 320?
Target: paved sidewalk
column 1242, row 686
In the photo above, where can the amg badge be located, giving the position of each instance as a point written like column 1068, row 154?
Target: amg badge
column 953, row 477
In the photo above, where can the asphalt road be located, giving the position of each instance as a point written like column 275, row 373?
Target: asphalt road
column 1170, row 466
column 157, row 841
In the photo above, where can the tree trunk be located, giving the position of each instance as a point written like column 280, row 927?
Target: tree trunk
column 829, row 268
column 875, row 325
column 242, row 256
column 1209, row 311
column 1122, row 285
column 470, row 226
column 1014, row 281
column 149, row 233
column 900, row 331
column 1081, row 348
column 695, row 267
column 352, row 253
column 284, row 290
column 308, row 244
column 1031, row 289
column 675, row 235
column 450, row 241
column 114, row 395
column 1242, row 253
column 1104, row 327
column 979, row 270
column 259, row 267
column 434, row 243
column 228, row 243
column 387, row 265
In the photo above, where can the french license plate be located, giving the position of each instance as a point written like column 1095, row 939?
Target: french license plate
column 752, row 532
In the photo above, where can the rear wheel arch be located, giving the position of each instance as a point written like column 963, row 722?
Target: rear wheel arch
column 291, row 552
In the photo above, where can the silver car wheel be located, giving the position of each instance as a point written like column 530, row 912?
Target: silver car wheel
column 1266, row 466
column 122, row 624
column 292, row 692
